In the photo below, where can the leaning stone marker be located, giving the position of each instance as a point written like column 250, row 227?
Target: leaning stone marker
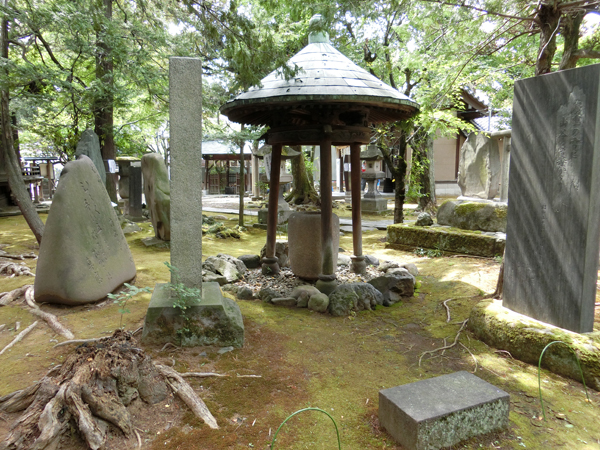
column 158, row 194
column 442, row 411
column 209, row 318
column 89, row 145
column 83, row 255
column 479, row 167
column 551, row 264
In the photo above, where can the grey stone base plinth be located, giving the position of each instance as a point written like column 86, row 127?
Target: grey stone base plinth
column 213, row 320
column 442, row 411
column 446, row 239
column 376, row 204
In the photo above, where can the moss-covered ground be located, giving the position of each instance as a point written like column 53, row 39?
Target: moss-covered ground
column 300, row 358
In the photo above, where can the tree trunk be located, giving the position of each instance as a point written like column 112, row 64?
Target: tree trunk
column 572, row 24
column 422, row 161
column 13, row 166
column 304, row 190
column 397, row 166
column 549, row 21
column 103, row 107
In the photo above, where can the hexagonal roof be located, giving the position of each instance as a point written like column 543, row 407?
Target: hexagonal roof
column 324, row 76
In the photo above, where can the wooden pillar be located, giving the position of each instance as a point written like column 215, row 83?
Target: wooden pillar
column 326, row 283
column 270, row 262
column 341, row 182
column 358, row 260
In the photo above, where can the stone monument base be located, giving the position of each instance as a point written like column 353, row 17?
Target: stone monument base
column 213, row 320
column 442, row 411
column 376, row 204
column 445, row 239
column 525, row 338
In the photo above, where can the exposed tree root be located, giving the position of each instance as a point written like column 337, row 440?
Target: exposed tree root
column 10, row 296
column 13, row 269
column 19, row 337
column 91, row 392
column 445, row 347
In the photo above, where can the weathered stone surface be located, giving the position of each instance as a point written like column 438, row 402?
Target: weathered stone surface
column 302, row 301
column 371, row 260
column 304, row 237
column 551, row 264
column 135, row 211
column 407, row 237
column 250, row 261
column 209, row 276
column 397, row 280
column 387, row 265
column 231, row 268
column 424, row 220
column 485, row 216
column 344, row 260
column 158, row 194
column 284, row 301
column 83, row 255
column 212, row 320
column 281, row 252
column 525, row 338
column 442, row 411
column 245, row 293
column 318, row 302
column 305, row 288
column 268, row 294
column 353, row 297
column 89, row 145
column 479, row 167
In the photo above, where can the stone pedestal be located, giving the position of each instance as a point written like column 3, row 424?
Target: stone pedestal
column 442, row 411
column 212, row 320
column 373, row 201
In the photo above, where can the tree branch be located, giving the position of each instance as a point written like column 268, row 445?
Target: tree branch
column 475, row 8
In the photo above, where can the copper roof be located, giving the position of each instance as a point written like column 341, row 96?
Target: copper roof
column 325, row 76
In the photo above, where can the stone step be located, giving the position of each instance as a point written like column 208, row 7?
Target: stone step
column 442, row 411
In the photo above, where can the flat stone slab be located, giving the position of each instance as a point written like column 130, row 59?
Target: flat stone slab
column 213, row 320
column 446, row 239
column 442, row 411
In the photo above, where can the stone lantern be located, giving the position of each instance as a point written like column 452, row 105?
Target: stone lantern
column 373, row 201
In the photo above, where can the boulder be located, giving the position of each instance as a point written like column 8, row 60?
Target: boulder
column 304, row 289
column 386, row 265
column 250, row 261
column 268, row 294
column 158, row 194
column 284, row 301
column 89, row 145
column 405, row 282
column 302, row 301
column 84, row 255
column 231, row 268
column 245, row 293
column 412, row 269
column 318, row 302
column 479, row 167
column 483, row 216
column 344, row 260
column 353, row 297
column 371, row 260
column 209, row 276
column 281, row 252
column 424, row 220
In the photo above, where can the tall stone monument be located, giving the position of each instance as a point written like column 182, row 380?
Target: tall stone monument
column 479, row 167
column 551, row 262
column 89, row 145
column 209, row 318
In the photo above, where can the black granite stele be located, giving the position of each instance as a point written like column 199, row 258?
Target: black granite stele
column 135, row 192
column 552, row 237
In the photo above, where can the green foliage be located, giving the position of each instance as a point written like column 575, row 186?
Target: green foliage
column 183, row 298
column 124, row 296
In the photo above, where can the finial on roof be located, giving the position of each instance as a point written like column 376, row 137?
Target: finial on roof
column 317, row 32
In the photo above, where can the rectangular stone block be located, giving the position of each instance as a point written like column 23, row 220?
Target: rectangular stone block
column 442, row 411
column 136, row 189
column 185, row 115
column 551, row 263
